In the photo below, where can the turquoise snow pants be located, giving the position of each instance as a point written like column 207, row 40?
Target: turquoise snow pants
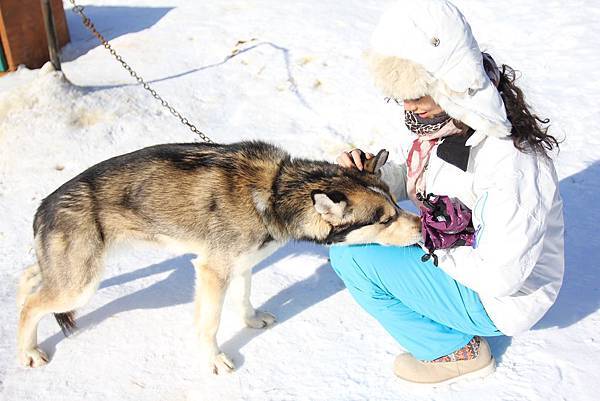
column 425, row 310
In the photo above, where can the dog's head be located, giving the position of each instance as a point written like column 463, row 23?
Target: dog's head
column 356, row 207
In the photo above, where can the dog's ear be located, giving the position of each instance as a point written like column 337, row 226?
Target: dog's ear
column 375, row 163
column 330, row 205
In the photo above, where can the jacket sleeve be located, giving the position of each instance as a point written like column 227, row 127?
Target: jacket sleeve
column 509, row 217
column 394, row 175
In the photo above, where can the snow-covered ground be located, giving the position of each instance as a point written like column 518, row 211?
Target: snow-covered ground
column 303, row 85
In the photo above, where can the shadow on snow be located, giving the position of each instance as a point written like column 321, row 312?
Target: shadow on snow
column 580, row 293
column 111, row 22
column 178, row 288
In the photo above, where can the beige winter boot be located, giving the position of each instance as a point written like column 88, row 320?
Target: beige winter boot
column 445, row 370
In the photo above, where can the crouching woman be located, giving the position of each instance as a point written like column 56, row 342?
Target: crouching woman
column 479, row 144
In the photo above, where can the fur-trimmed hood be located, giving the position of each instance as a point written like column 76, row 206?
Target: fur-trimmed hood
column 426, row 47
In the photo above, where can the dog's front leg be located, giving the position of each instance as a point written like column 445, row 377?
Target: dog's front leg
column 210, row 291
column 239, row 290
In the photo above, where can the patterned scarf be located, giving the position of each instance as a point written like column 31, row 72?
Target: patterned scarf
column 429, row 132
column 424, row 126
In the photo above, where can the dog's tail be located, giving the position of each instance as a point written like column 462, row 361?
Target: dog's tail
column 66, row 321
column 30, row 279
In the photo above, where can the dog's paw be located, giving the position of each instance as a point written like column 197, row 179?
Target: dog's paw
column 222, row 364
column 260, row 320
column 33, row 358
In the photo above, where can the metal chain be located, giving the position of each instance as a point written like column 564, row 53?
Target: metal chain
column 90, row 26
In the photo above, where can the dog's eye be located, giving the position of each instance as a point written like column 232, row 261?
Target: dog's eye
column 386, row 221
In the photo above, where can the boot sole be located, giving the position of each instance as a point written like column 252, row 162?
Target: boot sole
column 477, row 374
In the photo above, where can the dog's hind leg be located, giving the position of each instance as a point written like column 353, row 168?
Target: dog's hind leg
column 211, row 285
column 30, row 278
column 44, row 301
column 35, row 306
column 70, row 267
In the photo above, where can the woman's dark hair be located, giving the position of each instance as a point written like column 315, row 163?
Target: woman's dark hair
column 529, row 132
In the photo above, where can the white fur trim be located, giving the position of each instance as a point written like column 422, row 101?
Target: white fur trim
column 398, row 78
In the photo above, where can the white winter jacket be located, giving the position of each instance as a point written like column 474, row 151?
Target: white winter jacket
column 516, row 265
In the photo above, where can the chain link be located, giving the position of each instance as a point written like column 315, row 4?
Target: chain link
column 77, row 9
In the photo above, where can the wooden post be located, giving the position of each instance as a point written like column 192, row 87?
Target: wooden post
column 51, row 34
column 23, row 32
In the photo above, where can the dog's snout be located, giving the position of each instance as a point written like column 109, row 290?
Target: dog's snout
column 409, row 218
column 413, row 223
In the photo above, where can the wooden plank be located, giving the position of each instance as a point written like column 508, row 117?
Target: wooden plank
column 23, row 33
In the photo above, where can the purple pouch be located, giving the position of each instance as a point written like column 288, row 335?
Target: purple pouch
column 446, row 223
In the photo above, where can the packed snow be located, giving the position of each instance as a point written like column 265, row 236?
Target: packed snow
column 303, row 85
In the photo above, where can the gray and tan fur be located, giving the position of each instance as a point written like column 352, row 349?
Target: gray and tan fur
column 232, row 205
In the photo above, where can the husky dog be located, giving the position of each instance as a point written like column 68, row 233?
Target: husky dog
column 232, row 205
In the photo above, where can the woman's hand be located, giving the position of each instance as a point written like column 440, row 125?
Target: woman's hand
column 353, row 158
